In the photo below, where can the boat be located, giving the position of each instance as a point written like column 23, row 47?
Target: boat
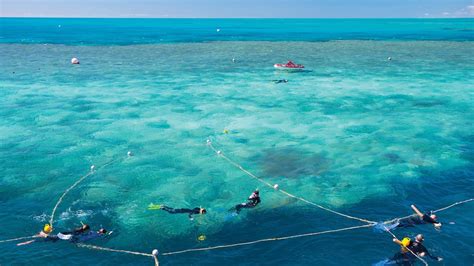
column 289, row 66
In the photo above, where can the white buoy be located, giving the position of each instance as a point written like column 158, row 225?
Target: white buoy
column 75, row 61
column 154, row 252
column 389, row 58
column 219, row 152
column 208, row 141
column 275, row 186
column 233, row 60
column 129, row 154
column 92, row 168
column 218, row 30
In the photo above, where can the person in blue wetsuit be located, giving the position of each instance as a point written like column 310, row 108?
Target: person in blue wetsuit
column 190, row 212
column 252, row 202
column 89, row 236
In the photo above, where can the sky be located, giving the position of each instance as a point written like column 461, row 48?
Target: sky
column 238, row 8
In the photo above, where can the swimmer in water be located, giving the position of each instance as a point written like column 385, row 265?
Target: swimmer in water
column 190, row 212
column 252, row 202
column 404, row 257
column 420, row 250
column 277, row 81
column 90, row 236
column 46, row 235
column 419, row 218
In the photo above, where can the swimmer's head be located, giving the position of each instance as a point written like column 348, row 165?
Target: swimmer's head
column 85, row 227
column 419, row 238
column 433, row 216
column 406, row 241
column 47, row 229
column 102, row 231
column 256, row 191
column 202, row 211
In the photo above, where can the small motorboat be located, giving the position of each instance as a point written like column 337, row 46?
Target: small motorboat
column 289, row 66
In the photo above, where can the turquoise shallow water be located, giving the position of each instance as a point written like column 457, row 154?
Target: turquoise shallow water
column 356, row 133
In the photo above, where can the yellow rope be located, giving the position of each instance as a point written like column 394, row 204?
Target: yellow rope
column 283, row 191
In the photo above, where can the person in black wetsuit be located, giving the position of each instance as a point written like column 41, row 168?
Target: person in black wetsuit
column 252, row 202
column 280, row 81
column 89, row 236
column 420, row 250
column 190, row 212
column 419, row 218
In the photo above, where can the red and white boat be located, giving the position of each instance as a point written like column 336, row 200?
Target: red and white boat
column 289, row 66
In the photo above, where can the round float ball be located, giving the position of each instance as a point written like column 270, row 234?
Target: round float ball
column 74, row 61
column 275, row 186
column 92, row 167
column 154, row 252
column 129, row 154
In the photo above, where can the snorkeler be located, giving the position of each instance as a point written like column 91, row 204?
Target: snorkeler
column 191, row 212
column 406, row 257
column 277, row 81
column 420, row 250
column 90, row 235
column 45, row 234
column 419, row 218
column 252, row 201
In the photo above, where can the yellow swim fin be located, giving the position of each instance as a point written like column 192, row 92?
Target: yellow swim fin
column 154, row 206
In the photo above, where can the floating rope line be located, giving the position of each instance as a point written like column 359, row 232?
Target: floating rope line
column 266, row 240
column 15, row 239
column 91, row 172
column 153, row 254
column 414, row 254
column 218, row 152
column 452, row 205
column 435, row 211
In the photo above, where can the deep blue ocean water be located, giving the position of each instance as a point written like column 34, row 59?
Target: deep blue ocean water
column 149, row 31
column 356, row 132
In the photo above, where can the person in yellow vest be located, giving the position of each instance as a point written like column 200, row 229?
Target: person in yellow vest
column 45, row 234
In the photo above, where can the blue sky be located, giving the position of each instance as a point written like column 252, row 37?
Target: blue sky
column 237, row 8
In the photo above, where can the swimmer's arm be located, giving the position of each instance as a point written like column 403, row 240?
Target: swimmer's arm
column 415, row 209
column 396, row 241
column 425, row 252
column 26, row 242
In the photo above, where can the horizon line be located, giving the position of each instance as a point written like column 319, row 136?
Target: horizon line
column 118, row 17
